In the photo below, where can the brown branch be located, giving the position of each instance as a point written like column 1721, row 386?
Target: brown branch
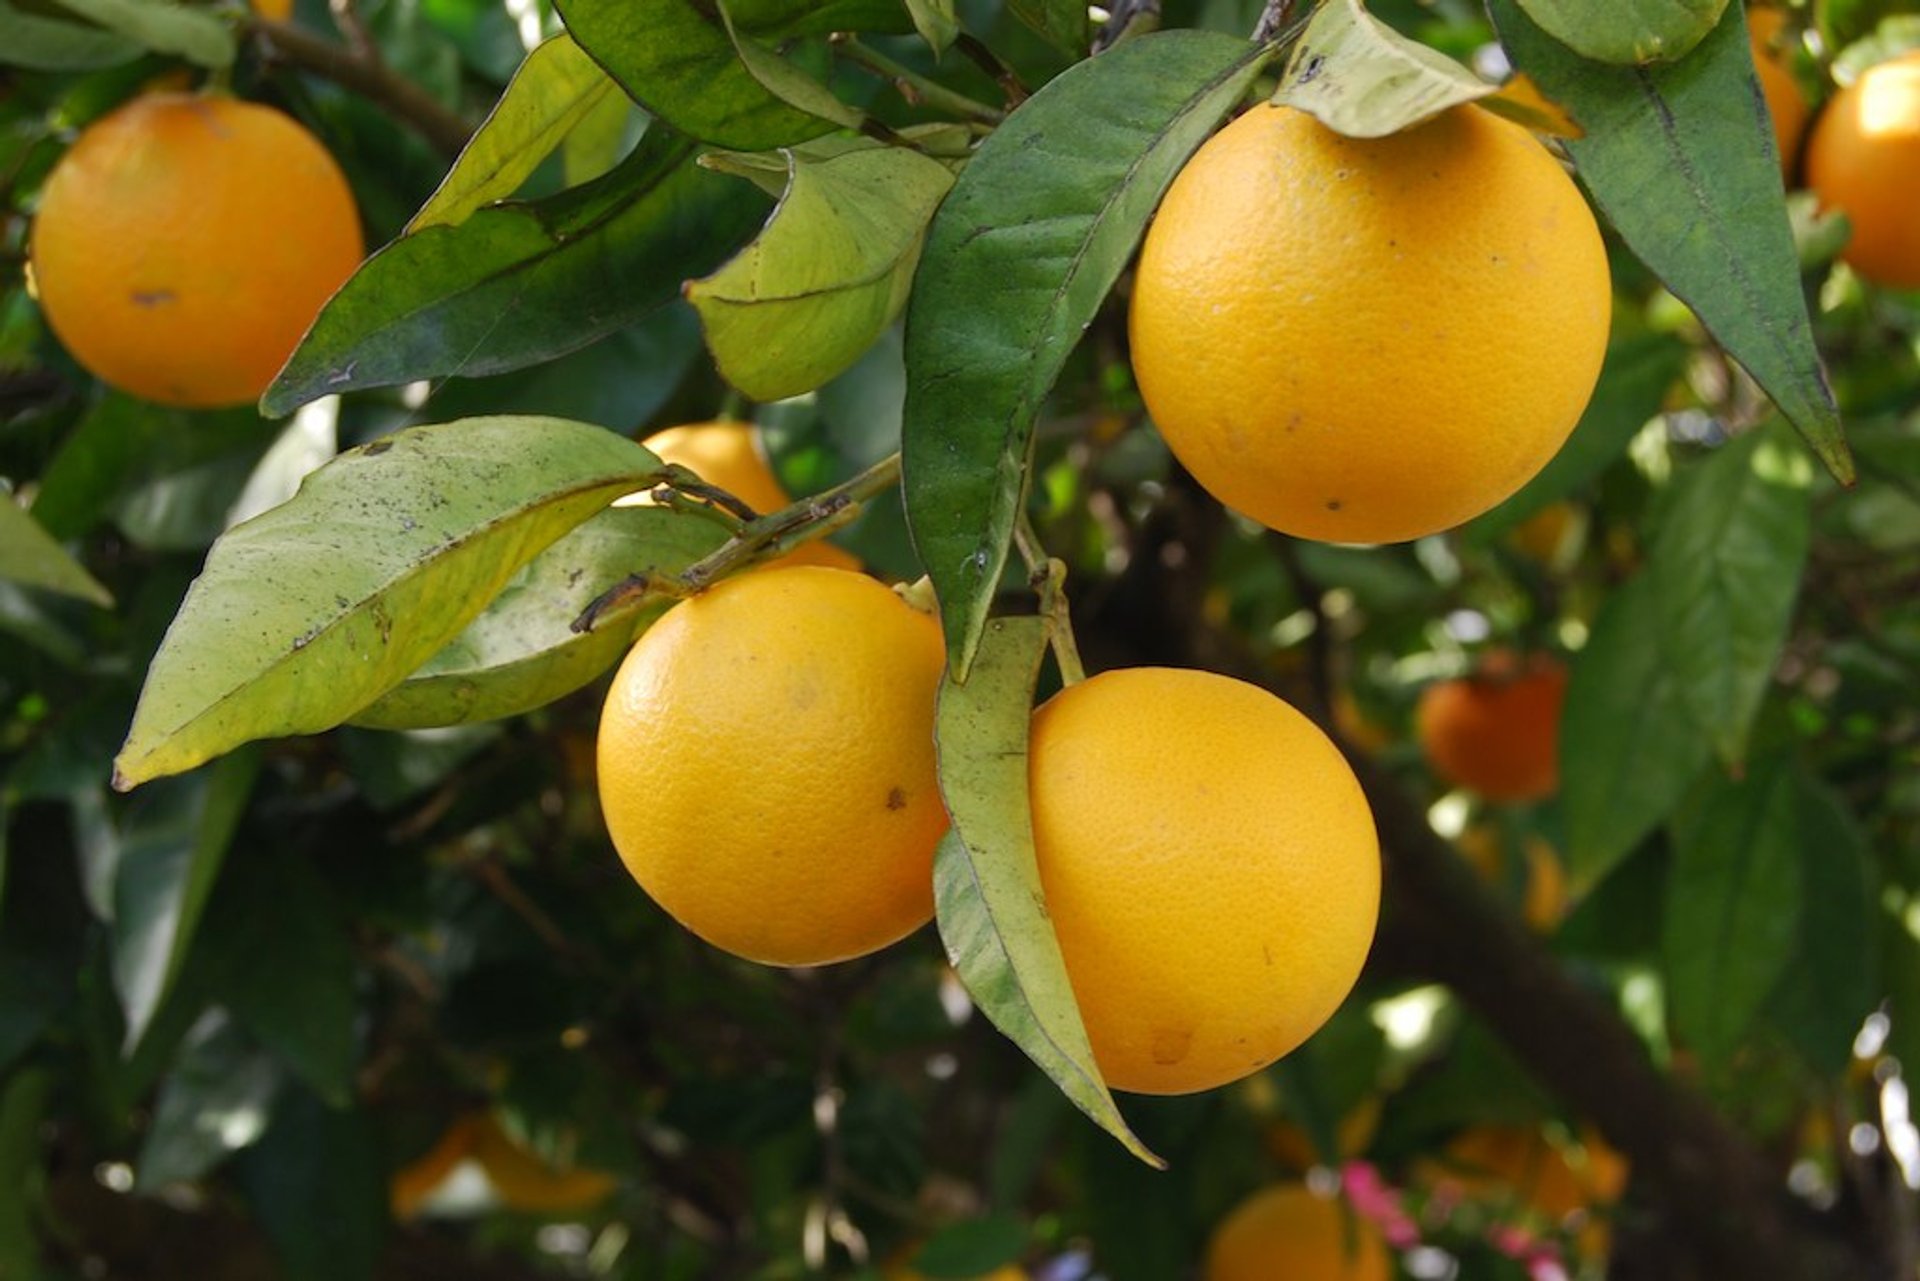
column 367, row 76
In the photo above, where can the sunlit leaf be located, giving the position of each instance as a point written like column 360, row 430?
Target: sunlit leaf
column 1360, row 77
column 1627, row 31
column 305, row 615
column 989, row 903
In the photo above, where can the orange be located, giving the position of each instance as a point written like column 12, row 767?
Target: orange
column 1786, row 105
column 185, row 242
column 524, row 1180
column 1518, row 1168
column 1497, row 733
column 1544, row 536
column 728, row 456
column 766, row 764
column 414, row 1183
column 1211, row 868
column 1544, row 902
column 1864, row 160
column 1286, row 1233
column 1369, row 340
column 277, row 10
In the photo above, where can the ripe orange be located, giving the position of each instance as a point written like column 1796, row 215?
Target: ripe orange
column 1286, row 1233
column 728, row 455
column 1864, row 159
column 766, row 764
column 1786, row 105
column 1497, row 733
column 524, row 1180
column 414, row 1183
column 278, row 10
column 1544, row 902
column 186, row 241
column 1211, row 868
column 1369, row 340
column 1516, row 1168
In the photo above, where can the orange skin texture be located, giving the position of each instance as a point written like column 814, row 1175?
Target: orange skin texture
column 1786, row 105
column 1864, row 159
column 1211, row 868
column 185, row 242
column 727, row 455
column 1497, row 733
column 1368, row 341
column 1286, row 1233
column 766, row 765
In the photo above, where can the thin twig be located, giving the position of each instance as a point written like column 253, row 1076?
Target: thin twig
column 372, row 80
column 913, row 86
column 1273, row 19
column 1048, row 576
column 990, row 62
column 353, row 29
column 761, row 538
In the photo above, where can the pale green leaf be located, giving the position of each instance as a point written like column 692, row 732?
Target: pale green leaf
column 30, row 556
column 936, row 22
column 305, row 615
column 829, row 272
column 1361, row 78
column 522, row 652
column 1627, row 31
column 48, row 44
column 554, row 91
column 195, row 34
column 988, row 900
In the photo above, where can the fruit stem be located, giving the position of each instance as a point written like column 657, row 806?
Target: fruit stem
column 913, row 86
column 758, row 539
column 1048, row 576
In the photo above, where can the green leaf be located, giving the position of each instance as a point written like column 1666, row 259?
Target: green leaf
column 1629, row 748
column 1627, row 31
column 1693, row 187
column 48, row 44
column 214, row 1103
column 284, row 966
column 520, row 283
column 936, row 22
column 1019, row 259
column 677, row 59
column 391, row 767
column 1733, row 906
column 173, row 841
column 1360, row 77
column 1725, row 569
column 23, row 1106
column 315, row 1183
column 305, row 615
column 1061, row 23
column 594, row 145
column 29, row 555
column 991, row 910
column 1634, row 381
column 969, row 1250
column 554, row 90
column 1830, row 987
column 784, row 80
column 163, row 27
column 829, row 272
column 522, row 653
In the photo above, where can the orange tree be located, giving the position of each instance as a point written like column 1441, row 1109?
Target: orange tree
column 317, row 959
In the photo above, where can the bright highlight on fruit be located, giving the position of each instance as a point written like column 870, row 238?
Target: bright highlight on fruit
column 766, row 765
column 1864, row 160
column 1497, row 732
column 1288, row 1233
column 185, row 242
column 1211, row 867
column 1368, row 341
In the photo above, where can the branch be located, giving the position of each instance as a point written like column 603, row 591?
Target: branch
column 367, row 76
